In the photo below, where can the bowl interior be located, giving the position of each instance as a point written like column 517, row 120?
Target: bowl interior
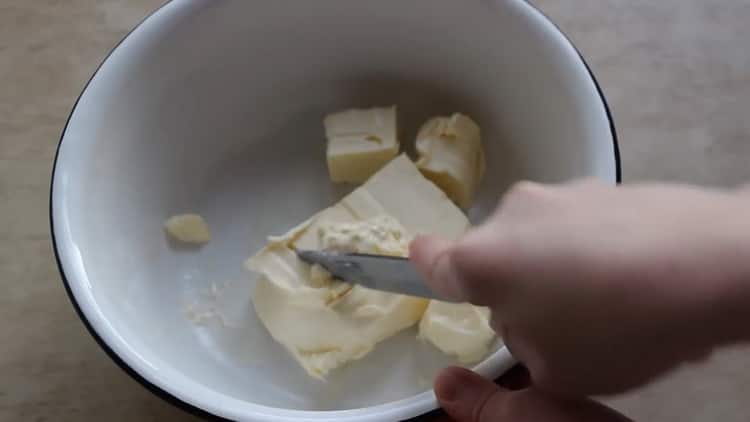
column 217, row 107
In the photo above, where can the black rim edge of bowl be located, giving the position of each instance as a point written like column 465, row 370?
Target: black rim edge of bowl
column 164, row 395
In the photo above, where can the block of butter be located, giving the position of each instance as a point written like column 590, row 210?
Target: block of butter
column 458, row 329
column 451, row 155
column 325, row 323
column 360, row 142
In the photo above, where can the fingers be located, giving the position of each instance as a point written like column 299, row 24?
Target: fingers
column 522, row 201
column 470, row 270
column 467, row 397
column 432, row 256
column 525, row 201
column 477, row 268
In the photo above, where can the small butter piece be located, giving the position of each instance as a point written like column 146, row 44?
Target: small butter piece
column 360, row 142
column 461, row 330
column 451, row 155
column 188, row 228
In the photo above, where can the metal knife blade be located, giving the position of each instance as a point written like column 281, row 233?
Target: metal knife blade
column 377, row 272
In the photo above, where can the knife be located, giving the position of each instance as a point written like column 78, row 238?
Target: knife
column 378, row 272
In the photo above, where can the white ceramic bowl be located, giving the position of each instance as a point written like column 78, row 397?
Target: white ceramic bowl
column 215, row 107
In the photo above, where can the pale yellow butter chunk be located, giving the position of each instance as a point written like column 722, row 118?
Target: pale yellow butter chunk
column 461, row 330
column 360, row 142
column 451, row 155
column 325, row 323
column 188, row 228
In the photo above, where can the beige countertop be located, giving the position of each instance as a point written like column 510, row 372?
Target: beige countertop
column 676, row 73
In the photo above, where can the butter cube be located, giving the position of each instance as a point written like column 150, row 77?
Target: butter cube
column 188, row 228
column 451, row 155
column 360, row 142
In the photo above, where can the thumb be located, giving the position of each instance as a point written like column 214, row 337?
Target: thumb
column 467, row 397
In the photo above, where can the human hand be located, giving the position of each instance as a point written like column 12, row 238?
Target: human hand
column 467, row 397
column 598, row 289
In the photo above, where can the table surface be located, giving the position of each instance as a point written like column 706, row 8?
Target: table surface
column 676, row 73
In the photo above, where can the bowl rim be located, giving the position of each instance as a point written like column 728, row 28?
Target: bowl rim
column 160, row 392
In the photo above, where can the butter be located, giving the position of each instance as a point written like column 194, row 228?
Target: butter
column 188, row 228
column 461, row 330
column 381, row 235
column 325, row 323
column 360, row 142
column 451, row 155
